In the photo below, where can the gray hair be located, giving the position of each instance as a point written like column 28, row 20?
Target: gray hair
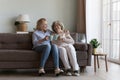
column 59, row 23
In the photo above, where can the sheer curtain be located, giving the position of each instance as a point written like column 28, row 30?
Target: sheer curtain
column 111, row 29
column 81, row 16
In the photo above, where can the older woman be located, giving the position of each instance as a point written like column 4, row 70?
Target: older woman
column 41, row 43
column 67, row 51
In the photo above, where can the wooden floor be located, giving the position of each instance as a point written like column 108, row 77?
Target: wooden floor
column 101, row 74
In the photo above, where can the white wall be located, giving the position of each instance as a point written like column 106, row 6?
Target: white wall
column 63, row 10
column 93, row 19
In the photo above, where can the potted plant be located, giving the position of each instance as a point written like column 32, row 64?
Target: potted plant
column 95, row 44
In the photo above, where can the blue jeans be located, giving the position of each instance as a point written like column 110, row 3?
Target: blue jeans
column 46, row 50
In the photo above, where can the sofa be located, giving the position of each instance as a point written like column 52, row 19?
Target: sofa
column 16, row 53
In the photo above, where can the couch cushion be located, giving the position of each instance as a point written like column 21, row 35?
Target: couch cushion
column 74, row 36
column 19, row 55
column 81, row 46
column 81, row 38
column 15, row 41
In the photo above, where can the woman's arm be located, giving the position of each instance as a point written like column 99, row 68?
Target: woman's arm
column 68, row 39
column 36, row 40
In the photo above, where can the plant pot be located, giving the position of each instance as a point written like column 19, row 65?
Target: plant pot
column 94, row 50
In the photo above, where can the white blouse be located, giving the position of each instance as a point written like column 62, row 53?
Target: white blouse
column 65, row 38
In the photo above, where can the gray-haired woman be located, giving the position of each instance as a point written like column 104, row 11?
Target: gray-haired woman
column 67, row 51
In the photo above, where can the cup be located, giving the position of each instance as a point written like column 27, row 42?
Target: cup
column 51, row 37
column 55, row 37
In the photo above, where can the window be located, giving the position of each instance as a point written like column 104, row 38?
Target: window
column 111, row 29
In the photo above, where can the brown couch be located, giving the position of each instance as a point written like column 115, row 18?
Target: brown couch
column 16, row 52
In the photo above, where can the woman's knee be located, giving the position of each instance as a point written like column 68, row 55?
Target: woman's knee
column 54, row 46
column 70, row 46
column 62, row 50
column 47, row 46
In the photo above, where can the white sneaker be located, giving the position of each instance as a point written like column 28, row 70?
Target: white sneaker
column 68, row 72
column 41, row 72
column 58, row 72
column 76, row 73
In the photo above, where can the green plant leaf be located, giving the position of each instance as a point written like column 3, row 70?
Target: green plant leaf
column 94, row 43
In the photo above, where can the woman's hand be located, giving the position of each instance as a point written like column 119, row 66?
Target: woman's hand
column 44, row 39
column 60, row 39
column 66, row 31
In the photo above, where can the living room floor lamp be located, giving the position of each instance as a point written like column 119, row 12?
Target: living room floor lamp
column 21, row 22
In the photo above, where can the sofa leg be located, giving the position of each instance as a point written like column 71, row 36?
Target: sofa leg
column 82, row 68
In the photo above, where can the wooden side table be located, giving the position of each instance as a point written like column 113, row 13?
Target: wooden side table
column 96, row 57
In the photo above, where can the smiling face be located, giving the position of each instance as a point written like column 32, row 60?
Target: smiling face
column 57, row 26
column 42, row 24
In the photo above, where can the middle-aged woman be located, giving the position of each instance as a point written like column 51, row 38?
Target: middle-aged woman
column 41, row 44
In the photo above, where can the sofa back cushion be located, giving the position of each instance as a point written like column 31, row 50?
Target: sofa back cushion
column 23, row 41
column 74, row 36
column 80, row 41
column 15, row 41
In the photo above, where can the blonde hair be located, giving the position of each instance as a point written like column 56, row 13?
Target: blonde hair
column 58, row 23
column 39, row 22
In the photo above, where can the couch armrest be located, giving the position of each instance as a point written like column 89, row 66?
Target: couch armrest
column 85, row 47
column 80, row 46
column 89, row 54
